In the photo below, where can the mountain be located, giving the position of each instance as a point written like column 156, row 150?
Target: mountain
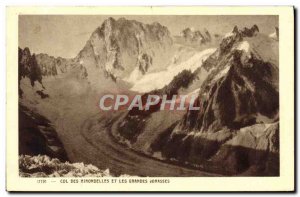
column 119, row 47
column 244, row 79
column 117, row 50
column 237, row 127
column 236, row 130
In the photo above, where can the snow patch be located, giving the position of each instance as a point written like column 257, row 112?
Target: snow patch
column 134, row 76
column 158, row 80
column 273, row 35
column 244, row 46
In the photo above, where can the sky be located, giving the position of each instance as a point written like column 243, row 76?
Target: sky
column 66, row 35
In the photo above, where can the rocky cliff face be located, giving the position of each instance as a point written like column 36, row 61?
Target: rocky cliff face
column 29, row 69
column 117, row 47
column 28, row 66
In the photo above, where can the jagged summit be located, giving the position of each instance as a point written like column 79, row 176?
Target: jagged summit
column 120, row 46
column 235, row 36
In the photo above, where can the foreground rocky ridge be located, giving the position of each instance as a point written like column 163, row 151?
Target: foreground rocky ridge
column 44, row 166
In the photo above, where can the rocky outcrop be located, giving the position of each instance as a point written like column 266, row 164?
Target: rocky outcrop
column 144, row 62
column 28, row 66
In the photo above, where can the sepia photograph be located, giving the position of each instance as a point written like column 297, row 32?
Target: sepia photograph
column 153, row 95
column 230, row 63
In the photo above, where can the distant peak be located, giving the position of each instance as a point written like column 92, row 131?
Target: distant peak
column 156, row 24
column 109, row 19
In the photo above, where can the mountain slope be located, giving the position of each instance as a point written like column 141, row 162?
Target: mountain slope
column 236, row 130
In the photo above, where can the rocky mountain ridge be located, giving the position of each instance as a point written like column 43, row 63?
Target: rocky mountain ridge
column 238, row 123
column 236, row 130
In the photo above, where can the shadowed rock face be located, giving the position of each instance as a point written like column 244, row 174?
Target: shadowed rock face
column 243, row 90
column 251, row 151
column 37, row 136
column 28, row 66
